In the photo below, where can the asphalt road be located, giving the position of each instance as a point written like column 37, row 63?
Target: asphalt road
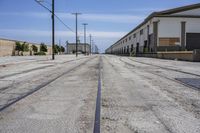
column 137, row 95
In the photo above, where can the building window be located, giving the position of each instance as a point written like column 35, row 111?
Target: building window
column 169, row 41
column 134, row 35
column 141, row 32
column 129, row 38
column 126, row 40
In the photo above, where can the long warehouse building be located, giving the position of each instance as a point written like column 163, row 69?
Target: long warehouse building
column 176, row 29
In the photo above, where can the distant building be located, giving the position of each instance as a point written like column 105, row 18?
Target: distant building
column 71, row 48
column 175, row 29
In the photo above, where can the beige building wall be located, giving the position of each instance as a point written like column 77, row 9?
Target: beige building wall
column 7, row 48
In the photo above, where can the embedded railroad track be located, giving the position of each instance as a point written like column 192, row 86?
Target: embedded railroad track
column 38, row 68
column 97, row 121
column 168, row 78
column 171, row 69
column 22, row 96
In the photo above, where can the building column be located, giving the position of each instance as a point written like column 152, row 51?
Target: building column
column 148, row 43
column 183, row 35
column 155, row 35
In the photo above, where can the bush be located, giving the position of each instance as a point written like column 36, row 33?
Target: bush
column 25, row 47
column 43, row 47
column 18, row 46
column 40, row 53
column 34, row 48
column 56, row 49
column 62, row 49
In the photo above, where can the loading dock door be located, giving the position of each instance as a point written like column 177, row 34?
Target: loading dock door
column 192, row 41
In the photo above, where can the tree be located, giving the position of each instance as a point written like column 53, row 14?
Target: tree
column 62, row 49
column 34, row 48
column 18, row 46
column 56, row 49
column 25, row 47
column 43, row 47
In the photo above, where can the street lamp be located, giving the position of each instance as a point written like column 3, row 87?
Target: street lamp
column 76, row 15
column 85, row 24
column 53, row 24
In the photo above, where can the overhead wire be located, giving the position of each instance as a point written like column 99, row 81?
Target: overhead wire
column 55, row 16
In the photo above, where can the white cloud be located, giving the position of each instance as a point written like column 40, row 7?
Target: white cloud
column 46, row 33
column 26, row 14
column 144, row 9
column 114, row 18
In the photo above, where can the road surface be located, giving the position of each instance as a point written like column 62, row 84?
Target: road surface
column 137, row 95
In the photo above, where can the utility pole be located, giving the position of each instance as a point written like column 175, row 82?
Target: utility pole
column 76, row 15
column 85, row 24
column 52, row 11
column 90, row 44
column 53, row 31
column 60, row 46
column 67, row 52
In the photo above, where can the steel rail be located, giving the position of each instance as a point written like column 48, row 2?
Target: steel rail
column 97, row 122
column 198, row 75
column 42, row 85
column 171, row 79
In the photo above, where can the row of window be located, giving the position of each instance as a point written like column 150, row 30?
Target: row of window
column 125, row 49
column 130, row 37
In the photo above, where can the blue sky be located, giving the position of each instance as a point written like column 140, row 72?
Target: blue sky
column 108, row 20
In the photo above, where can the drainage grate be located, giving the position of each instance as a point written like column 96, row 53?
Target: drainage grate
column 194, row 82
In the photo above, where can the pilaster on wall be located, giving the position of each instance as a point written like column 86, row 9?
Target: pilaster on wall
column 155, row 35
column 183, row 34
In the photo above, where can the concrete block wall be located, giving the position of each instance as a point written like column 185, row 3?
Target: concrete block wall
column 180, row 55
column 7, row 48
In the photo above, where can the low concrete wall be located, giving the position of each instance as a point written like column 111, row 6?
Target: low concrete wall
column 7, row 48
column 196, row 55
column 180, row 55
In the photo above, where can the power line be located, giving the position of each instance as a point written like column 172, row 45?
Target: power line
column 43, row 6
column 64, row 23
column 54, row 15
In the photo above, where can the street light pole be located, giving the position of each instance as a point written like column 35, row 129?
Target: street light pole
column 85, row 24
column 53, row 31
column 76, row 15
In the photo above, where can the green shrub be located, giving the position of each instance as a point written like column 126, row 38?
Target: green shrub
column 43, row 47
column 62, row 49
column 25, row 47
column 56, row 49
column 34, row 48
column 18, row 46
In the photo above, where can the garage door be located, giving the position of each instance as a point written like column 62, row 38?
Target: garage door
column 192, row 41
